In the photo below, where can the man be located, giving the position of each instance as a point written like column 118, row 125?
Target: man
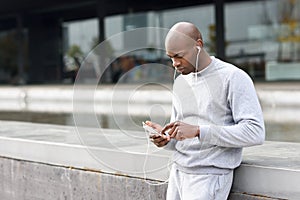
column 215, row 113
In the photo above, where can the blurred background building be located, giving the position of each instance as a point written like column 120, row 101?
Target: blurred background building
column 45, row 42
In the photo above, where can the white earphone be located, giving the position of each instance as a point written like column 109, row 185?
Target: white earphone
column 197, row 58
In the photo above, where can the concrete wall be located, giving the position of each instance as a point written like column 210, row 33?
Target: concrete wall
column 51, row 162
column 31, row 180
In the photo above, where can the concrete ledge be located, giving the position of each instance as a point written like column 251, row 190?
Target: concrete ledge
column 55, row 157
column 110, row 151
column 272, row 170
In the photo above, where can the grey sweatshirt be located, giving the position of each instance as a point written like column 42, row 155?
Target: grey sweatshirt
column 222, row 101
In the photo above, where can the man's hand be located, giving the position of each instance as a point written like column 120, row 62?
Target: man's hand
column 181, row 130
column 159, row 140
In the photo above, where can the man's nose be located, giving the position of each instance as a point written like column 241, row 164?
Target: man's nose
column 176, row 63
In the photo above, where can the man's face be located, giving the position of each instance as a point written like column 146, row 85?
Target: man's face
column 182, row 54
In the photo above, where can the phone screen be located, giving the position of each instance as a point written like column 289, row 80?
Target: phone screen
column 149, row 129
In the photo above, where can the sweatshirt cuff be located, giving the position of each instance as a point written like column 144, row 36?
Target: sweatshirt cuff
column 170, row 145
column 203, row 132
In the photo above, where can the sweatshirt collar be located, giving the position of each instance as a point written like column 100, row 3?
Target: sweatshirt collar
column 209, row 68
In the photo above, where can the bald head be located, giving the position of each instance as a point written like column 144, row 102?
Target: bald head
column 184, row 46
column 182, row 35
column 187, row 29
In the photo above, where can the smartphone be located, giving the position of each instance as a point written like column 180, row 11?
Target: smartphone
column 151, row 130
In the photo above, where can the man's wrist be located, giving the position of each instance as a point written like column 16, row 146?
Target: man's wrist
column 197, row 131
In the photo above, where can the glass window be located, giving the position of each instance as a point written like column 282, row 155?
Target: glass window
column 263, row 36
column 79, row 38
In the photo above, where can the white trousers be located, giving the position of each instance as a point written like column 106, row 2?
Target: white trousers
column 183, row 186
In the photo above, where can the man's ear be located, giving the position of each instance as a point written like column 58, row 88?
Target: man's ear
column 200, row 43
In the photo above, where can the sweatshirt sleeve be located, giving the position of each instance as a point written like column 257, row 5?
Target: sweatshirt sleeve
column 248, row 127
